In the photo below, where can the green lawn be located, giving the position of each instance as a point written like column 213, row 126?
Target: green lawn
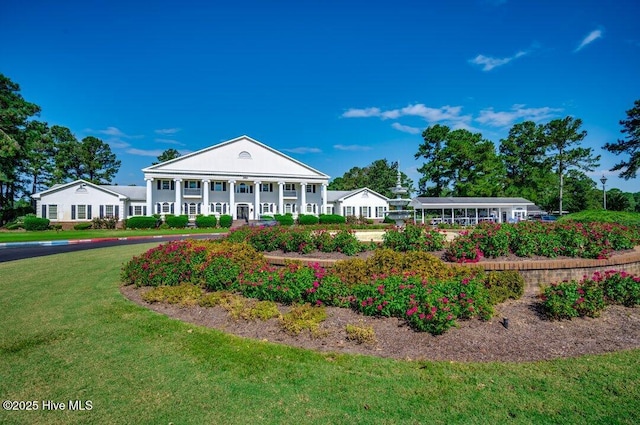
column 68, row 334
column 52, row 235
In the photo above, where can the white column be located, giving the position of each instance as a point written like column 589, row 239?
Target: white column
column 205, row 196
column 303, row 198
column 232, row 199
column 149, row 196
column 256, row 207
column 324, row 199
column 177, row 210
column 280, row 197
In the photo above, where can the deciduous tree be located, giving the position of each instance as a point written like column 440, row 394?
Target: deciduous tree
column 378, row 176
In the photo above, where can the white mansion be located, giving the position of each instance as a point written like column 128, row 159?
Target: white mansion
column 240, row 177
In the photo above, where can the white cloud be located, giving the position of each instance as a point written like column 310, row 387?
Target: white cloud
column 590, row 38
column 143, row 152
column 518, row 112
column 447, row 113
column 303, row 150
column 489, row 63
column 361, row 113
column 352, row 148
column 169, row 142
column 405, row 128
column 166, row 131
column 117, row 143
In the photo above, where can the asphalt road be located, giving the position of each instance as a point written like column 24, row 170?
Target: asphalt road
column 30, row 251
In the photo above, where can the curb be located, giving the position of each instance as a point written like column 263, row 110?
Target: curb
column 95, row 240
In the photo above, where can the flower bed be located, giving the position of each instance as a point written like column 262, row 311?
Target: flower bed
column 430, row 301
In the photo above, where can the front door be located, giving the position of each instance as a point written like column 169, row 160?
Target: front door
column 242, row 212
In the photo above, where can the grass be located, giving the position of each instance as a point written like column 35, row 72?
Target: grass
column 53, row 235
column 68, row 334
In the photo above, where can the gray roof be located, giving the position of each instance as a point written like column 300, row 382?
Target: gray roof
column 134, row 193
column 450, row 201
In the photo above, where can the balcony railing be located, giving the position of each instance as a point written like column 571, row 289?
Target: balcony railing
column 192, row 192
column 290, row 194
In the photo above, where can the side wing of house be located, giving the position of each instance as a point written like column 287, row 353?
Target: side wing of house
column 79, row 201
column 362, row 202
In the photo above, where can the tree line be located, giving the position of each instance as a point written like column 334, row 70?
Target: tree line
column 544, row 163
column 35, row 155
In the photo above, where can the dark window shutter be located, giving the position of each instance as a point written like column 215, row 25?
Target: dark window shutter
column 89, row 212
column 199, row 184
column 186, row 184
column 172, row 208
column 173, row 185
column 44, row 211
column 144, row 210
column 101, row 211
column 199, row 207
column 117, row 211
column 224, row 186
column 270, row 187
column 130, row 210
column 73, row 212
column 158, row 184
column 185, row 208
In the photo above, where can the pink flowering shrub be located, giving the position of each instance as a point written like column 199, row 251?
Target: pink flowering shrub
column 526, row 239
column 430, row 307
column 619, row 287
column 589, row 296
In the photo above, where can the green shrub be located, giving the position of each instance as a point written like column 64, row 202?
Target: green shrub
column 32, row 222
column 360, row 334
column 284, row 220
column 345, row 241
column 185, row 294
column 413, row 238
column 303, row 317
column 504, row 285
column 619, row 287
column 206, row 221
column 82, row 226
column 307, row 219
column 14, row 226
column 176, row 221
column 565, row 300
column 331, row 219
column 141, row 223
column 104, row 223
column 226, row 221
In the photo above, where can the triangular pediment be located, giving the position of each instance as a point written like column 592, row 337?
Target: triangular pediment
column 242, row 156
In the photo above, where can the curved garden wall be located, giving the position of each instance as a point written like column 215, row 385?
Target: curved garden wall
column 534, row 272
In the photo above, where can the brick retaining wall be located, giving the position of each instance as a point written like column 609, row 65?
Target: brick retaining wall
column 535, row 272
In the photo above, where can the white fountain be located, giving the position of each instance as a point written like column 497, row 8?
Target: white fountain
column 399, row 215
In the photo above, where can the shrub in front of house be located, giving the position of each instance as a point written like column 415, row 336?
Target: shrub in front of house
column 284, row 220
column 226, row 221
column 206, row 221
column 31, row 222
column 82, row 226
column 331, row 219
column 141, row 223
column 307, row 219
column 176, row 221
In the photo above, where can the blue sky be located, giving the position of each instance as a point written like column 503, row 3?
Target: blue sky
column 334, row 84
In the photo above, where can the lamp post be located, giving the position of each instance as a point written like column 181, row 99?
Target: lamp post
column 603, row 179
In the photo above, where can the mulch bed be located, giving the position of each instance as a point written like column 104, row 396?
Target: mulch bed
column 529, row 336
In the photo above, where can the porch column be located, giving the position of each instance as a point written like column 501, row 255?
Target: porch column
column 323, row 210
column 303, row 198
column 149, row 196
column 280, row 197
column 177, row 210
column 205, row 196
column 256, row 207
column 232, row 199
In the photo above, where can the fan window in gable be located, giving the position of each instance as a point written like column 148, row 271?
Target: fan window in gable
column 244, row 155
